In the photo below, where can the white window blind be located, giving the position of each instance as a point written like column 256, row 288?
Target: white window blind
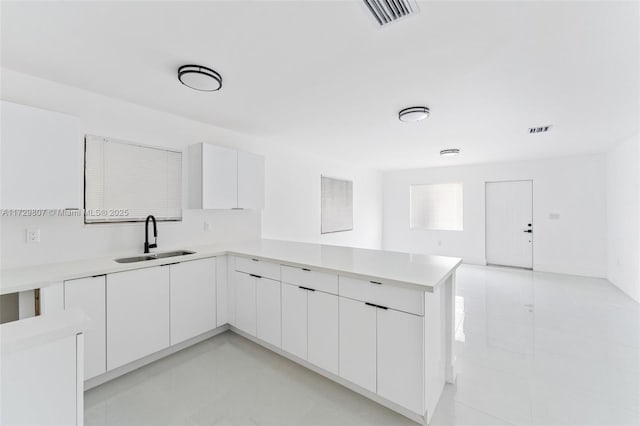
column 336, row 205
column 436, row 206
column 128, row 182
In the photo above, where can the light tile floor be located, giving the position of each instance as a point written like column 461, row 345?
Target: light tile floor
column 533, row 349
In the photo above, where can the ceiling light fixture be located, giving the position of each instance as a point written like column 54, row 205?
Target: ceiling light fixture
column 413, row 114
column 200, row 78
column 449, row 152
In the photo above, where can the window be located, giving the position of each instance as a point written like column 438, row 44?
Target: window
column 436, row 206
column 125, row 182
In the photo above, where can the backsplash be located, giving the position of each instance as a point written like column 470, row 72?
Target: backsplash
column 68, row 238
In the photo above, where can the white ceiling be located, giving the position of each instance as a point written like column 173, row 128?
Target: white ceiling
column 323, row 77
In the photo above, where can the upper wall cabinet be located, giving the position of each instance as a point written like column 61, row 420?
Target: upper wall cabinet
column 223, row 178
column 41, row 159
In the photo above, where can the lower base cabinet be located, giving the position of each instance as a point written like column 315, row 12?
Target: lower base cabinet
column 323, row 330
column 245, row 302
column 382, row 350
column 88, row 294
column 193, row 298
column 400, row 349
column 294, row 320
column 137, row 314
column 268, row 311
column 358, row 343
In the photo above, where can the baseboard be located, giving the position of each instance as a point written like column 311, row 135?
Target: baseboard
column 474, row 261
column 554, row 270
column 331, row 376
column 120, row 371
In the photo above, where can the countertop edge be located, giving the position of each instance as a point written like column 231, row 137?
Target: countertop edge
column 124, row 267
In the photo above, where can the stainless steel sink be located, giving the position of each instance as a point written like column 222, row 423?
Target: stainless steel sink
column 154, row 256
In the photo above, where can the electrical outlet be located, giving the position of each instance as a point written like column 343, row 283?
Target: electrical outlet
column 207, row 226
column 33, row 235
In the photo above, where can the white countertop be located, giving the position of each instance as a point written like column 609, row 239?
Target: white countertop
column 35, row 331
column 424, row 272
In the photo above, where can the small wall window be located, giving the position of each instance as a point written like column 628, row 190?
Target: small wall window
column 125, row 182
column 436, row 206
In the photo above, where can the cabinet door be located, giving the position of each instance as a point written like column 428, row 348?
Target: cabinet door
column 294, row 320
column 268, row 300
column 323, row 330
column 401, row 358
column 88, row 294
column 250, row 180
column 137, row 314
column 193, row 298
column 41, row 158
column 219, row 177
column 245, row 302
column 222, row 292
column 358, row 343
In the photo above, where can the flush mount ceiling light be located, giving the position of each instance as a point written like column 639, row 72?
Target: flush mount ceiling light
column 199, row 78
column 449, row 152
column 413, row 114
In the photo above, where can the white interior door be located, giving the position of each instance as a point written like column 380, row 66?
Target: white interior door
column 509, row 223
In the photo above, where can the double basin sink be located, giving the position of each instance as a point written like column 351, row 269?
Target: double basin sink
column 154, row 256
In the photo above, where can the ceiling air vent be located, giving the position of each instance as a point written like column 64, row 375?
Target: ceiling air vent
column 387, row 11
column 541, row 129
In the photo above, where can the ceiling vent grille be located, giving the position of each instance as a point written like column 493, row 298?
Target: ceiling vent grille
column 387, row 11
column 541, row 129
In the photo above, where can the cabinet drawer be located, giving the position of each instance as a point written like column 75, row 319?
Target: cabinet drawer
column 258, row 267
column 402, row 299
column 307, row 278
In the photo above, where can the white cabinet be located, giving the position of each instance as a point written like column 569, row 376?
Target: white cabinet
column 268, row 311
column 41, row 370
column 294, row 320
column 382, row 350
column 358, row 343
column 193, row 298
column 310, row 326
column 88, row 294
column 245, row 302
column 41, row 159
column 400, row 349
column 323, row 330
column 222, row 291
column 250, row 181
column 137, row 314
column 223, row 178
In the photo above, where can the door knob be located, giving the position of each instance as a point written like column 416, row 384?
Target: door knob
column 529, row 231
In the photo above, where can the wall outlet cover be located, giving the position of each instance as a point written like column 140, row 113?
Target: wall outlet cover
column 33, row 235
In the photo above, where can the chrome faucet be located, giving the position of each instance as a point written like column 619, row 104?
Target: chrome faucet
column 147, row 246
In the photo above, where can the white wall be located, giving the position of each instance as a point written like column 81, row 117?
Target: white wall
column 572, row 187
column 292, row 184
column 623, row 216
column 293, row 202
